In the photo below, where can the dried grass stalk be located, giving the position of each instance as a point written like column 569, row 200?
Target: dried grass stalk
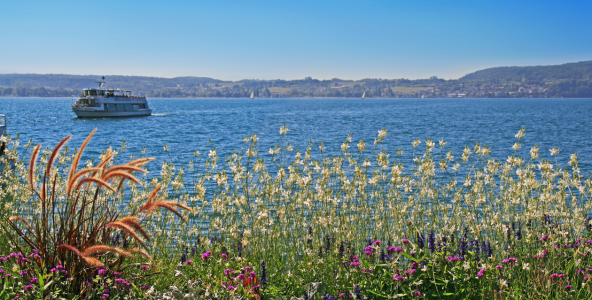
column 76, row 160
column 134, row 222
column 32, row 166
column 149, row 201
column 95, row 180
column 77, row 176
column 13, row 218
column 129, row 230
column 122, row 175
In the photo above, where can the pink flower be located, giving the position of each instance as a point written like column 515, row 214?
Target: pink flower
column 452, row 258
column 499, row 266
column 144, row 268
column 417, row 294
column 341, row 295
column 377, row 242
column 224, row 256
column 396, row 277
column 188, row 262
column 481, row 273
column 406, row 242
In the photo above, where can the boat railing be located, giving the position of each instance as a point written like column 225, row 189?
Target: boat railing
column 86, row 105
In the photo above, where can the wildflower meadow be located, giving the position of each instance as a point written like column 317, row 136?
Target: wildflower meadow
column 284, row 223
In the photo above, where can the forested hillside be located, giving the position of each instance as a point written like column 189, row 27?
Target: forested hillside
column 535, row 74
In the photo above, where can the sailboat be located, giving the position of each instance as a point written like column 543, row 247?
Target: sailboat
column 252, row 95
column 364, row 95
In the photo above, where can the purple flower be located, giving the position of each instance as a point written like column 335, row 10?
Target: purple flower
column 354, row 264
column 569, row 286
column 406, row 241
column 144, row 268
column 188, row 262
column 102, row 272
column 59, row 267
column 499, row 266
column 224, row 256
column 377, row 242
column 28, row 287
column 34, row 280
column 417, row 294
column 230, row 288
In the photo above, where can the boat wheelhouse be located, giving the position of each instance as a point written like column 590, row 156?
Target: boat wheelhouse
column 108, row 103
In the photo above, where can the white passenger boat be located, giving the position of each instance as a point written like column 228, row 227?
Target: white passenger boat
column 109, row 103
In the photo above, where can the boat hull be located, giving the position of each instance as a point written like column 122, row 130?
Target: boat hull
column 83, row 113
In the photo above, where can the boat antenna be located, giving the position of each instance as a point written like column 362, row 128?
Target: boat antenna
column 101, row 82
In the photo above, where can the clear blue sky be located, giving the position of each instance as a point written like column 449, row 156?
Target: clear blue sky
column 235, row 40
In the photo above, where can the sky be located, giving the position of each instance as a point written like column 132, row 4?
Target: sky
column 234, row 40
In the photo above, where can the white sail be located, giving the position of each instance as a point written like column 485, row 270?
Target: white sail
column 252, row 95
column 364, row 95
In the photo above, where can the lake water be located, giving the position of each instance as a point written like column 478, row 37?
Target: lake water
column 185, row 125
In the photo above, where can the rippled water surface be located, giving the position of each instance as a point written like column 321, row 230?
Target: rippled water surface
column 185, row 125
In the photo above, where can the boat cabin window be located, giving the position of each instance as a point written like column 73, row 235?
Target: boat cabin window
column 87, row 101
column 111, row 107
column 135, row 107
column 120, row 107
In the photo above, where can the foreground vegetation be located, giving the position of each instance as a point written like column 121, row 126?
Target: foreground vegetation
column 297, row 223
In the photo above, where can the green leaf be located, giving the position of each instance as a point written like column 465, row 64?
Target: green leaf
column 410, row 257
column 571, row 264
column 41, row 287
